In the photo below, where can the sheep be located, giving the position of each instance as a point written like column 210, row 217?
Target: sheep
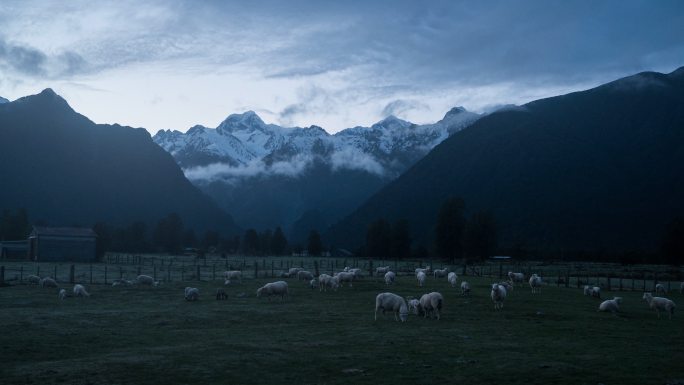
column 660, row 289
column 588, row 290
column 660, row 303
column 325, row 281
column 313, row 283
column 440, row 273
column 345, row 276
column 62, row 294
column 283, row 275
column 346, row 269
column 233, row 275
column 425, row 270
column 293, row 271
column 431, row 303
column 221, row 294
column 33, row 279
column 596, row 291
column 80, row 291
column 48, row 282
column 681, row 288
column 389, row 277
column 304, row 275
column 498, row 295
column 191, row 294
column 465, row 288
column 273, row 288
column 535, row 283
column 358, row 274
column 507, row 285
column 413, row 305
column 452, row 278
column 421, row 278
column 121, row 282
column 611, row 305
column 382, row 270
column 393, row 302
column 146, row 280
column 516, row 277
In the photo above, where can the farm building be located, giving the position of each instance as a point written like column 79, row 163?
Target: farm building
column 13, row 249
column 75, row 244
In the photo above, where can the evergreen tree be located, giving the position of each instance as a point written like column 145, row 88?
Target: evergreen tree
column 168, row 235
column 378, row 238
column 136, row 235
column 449, row 229
column 672, row 247
column 278, row 242
column 265, row 242
column 480, row 235
column 211, row 239
column 315, row 245
column 250, row 242
column 401, row 240
column 189, row 238
column 104, row 239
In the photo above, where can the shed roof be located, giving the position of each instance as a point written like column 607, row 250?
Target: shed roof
column 63, row 231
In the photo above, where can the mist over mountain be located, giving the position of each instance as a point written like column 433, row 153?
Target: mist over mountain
column 267, row 175
column 66, row 170
column 598, row 170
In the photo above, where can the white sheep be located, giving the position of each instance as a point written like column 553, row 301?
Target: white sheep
column 345, row 276
column 498, row 295
column 660, row 289
column 660, row 303
column 191, row 294
column 80, row 291
column 425, row 270
column 62, row 294
column 121, row 282
column 588, row 290
column 146, row 280
column 323, row 282
column 452, row 278
column 516, row 277
column 611, row 305
column 431, row 304
column 48, row 282
column 413, row 305
column 535, row 283
column 33, row 279
column 233, row 275
column 441, row 273
column 304, row 275
column 596, row 291
column 278, row 288
column 293, row 271
column 421, row 278
column 346, row 269
column 391, row 302
column 465, row 288
column 382, row 270
column 507, row 285
column 358, row 274
column 389, row 277
column 313, row 284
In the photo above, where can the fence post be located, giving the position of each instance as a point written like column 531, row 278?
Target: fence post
column 316, row 268
column 272, row 266
column 199, row 276
column 38, row 270
column 558, row 280
column 2, row 275
column 72, row 271
column 139, row 270
column 21, row 273
column 154, row 272
column 168, row 274
column 55, row 273
column 567, row 278
column 256, row 270
column 609, row 278
column 105, row 274
column 91, row 273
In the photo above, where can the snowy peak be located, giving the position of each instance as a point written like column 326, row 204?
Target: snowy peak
column 454, row 112
column 248, row 121
column 392, row 123
column 3, row 100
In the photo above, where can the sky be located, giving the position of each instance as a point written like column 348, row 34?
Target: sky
column 335, row 64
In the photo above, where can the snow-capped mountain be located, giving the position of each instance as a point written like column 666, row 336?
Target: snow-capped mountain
column 244, row 140
column 3, row 100
column 301, row 178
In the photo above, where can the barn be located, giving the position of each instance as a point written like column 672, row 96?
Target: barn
column 13, row 249
column 50, row 244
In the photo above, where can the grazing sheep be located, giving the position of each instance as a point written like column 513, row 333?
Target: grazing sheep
column 273, row 288
column 146, row 280
column 191, row 294
column 284, row 275
column 393, row 302
column 389, row 277
column 121, row 282
column 516, row 277
column 588, row 290
column 440, row 273
column 431, row 304
column 293, row 271
column 660, row 289
column 80, row 291
column 48, row 282
column 345, row 276
column 660, row 303
column 452, row 278
column 33, row 279
column 421, row 278
column 304, row 275
column 358, row 274
column 535, row 283
column 313, row 283
column 221, row 294
column 233, row 275
column 413, row 305
column 596, row 291
column 425, row 270
column 465, row 288
column 227, row 282
column 62, row 294
column 346, row 269
column 498, row 295
column 611, row 305
column 382, row 270
column 507, row 285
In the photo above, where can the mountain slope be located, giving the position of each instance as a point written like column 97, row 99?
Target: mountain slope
column 268, row 175
column 67, row 170
column 598, row 170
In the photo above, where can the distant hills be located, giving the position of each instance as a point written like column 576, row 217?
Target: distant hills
column 266, row 175
column 600, row 170
column 66, row 170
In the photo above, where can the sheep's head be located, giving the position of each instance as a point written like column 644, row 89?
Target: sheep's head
column 618, row 300
column 647, row 297
column 403, row 313
column 258, row 292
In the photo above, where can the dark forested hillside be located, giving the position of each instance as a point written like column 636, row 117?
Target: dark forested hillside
column 66, row 170
column 600, row 170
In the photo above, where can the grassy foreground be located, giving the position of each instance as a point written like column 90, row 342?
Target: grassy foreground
column 152, row 335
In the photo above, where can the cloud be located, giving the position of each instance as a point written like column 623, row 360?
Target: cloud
column 257, row 168
column 353, row 159
column 400, row 106
column 30, row 61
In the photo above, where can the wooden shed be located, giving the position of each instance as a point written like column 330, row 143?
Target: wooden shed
column 51, row 244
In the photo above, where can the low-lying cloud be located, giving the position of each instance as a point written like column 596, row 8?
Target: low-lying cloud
column 353, row 159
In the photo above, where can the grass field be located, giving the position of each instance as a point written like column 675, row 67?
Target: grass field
column 152, row 335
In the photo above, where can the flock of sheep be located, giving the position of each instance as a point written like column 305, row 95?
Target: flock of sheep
column 429, row 305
